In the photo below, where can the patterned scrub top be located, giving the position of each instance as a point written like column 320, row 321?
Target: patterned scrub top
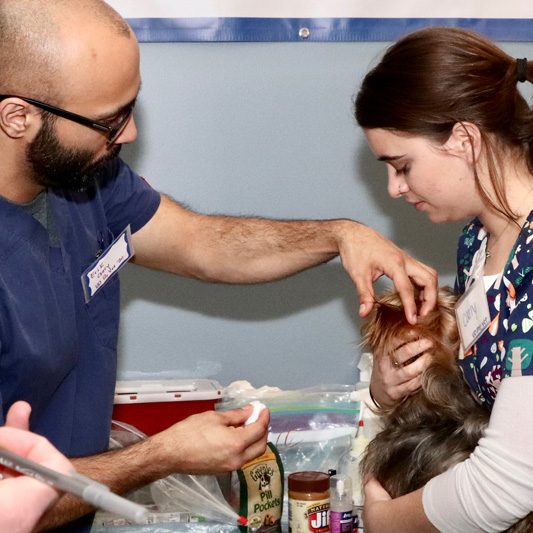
column 506, row 347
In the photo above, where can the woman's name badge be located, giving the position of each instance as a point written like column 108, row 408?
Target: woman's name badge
column 472, row 313
column 107, row 265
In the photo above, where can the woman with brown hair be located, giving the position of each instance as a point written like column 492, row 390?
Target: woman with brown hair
column 443, row 110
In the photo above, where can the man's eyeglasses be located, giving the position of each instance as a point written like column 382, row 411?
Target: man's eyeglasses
column 112, row 132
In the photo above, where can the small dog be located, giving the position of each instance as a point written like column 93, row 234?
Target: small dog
column 264, row 482
column 439, row 425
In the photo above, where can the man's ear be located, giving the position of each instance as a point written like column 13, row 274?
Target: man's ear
column 465, row 141
column 15, row 117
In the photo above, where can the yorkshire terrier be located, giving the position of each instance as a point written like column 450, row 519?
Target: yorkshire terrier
column 438, row 426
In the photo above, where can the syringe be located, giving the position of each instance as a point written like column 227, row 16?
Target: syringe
column 85, row 488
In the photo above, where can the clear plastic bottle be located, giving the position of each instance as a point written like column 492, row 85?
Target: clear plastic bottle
column 349, row 466
column 340, row 504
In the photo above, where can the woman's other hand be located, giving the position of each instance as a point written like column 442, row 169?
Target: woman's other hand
column 397, row 375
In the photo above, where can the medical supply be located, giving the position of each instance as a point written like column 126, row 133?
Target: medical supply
column 85, row 488
column 257, row 408
column 349, row 466
column 308, row 502
column 340, row 505
column 154, row 405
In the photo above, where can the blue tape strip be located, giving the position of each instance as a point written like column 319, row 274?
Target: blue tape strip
column 330, row 29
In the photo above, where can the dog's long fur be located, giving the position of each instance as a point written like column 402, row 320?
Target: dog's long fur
column 439, row 425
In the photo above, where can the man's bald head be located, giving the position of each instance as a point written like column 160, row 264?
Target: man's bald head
column 32, row 41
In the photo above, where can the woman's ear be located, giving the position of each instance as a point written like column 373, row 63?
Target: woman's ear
column 465, row 141
column 15, row 117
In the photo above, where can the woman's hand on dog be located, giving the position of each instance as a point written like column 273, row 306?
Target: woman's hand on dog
column 397, row 375
column 404, row 514
column 376, row 498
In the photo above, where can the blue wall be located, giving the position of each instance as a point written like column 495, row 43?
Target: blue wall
column 263, row 129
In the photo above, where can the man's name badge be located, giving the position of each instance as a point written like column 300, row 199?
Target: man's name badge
column 107, row 265
column 472, row 313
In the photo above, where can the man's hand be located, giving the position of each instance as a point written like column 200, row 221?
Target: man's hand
column 214, row 442
column 206, row 443
column 255, row 250
column 397, row 375
column 367, row 255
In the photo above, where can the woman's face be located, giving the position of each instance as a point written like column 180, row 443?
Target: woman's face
column 435, row 179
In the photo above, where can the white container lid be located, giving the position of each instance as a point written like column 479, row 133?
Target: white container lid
column 167, row 390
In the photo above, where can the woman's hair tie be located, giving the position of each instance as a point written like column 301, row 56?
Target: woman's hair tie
column 521, row 70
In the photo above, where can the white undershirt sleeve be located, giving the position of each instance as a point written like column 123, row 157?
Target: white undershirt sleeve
column 493, row 488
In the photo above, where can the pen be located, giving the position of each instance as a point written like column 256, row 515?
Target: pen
column 87, row 489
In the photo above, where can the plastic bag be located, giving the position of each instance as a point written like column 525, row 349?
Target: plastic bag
column 310, row 415
column 312, row 427
column 180, row 498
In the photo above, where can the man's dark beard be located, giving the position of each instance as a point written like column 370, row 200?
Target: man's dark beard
column 55, row 166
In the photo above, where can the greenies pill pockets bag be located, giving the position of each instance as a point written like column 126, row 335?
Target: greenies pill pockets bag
column 261, row 492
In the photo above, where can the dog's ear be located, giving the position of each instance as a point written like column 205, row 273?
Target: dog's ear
column 386, row 327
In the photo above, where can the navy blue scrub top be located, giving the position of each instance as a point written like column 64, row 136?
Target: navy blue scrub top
column 56, row 351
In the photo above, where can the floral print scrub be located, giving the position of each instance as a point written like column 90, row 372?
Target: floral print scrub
column 506, row 347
